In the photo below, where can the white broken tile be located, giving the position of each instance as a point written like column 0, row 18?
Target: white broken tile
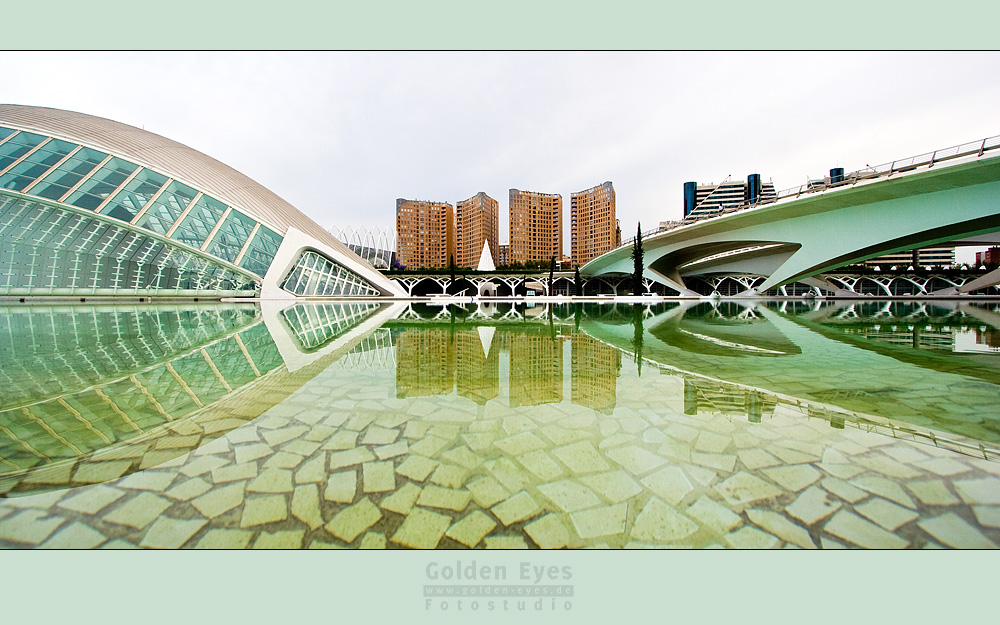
column 603, row 521
column 659, row 523
column 952, row 530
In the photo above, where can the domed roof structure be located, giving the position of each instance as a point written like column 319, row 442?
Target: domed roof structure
column 148, row 215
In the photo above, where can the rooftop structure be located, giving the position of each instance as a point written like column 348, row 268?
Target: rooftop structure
column 937, row 256
column 375, row 245
column 705, row 200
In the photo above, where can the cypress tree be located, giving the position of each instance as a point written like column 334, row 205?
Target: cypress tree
column 451, row 273
column 637, row 262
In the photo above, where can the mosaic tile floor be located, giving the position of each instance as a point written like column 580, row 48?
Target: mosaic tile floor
column 370, row 470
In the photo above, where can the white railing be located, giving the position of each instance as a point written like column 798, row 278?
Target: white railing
column 927, row 160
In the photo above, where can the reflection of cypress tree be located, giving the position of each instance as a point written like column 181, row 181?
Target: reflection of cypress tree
column 577, row 315
column 637, row 335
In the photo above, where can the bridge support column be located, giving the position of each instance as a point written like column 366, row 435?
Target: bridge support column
column 821, row 282
column 987, row 280
column 674, row 281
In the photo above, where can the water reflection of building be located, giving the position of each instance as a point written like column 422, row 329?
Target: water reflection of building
column 183, row 362
column 917, row 336
column 374, row 352
column 536, row 368
column 596, row 366
column 477, row 372
column 988, row 336
column 425, row 362
column 317, row 325
column 706, row 396
column 441, row 359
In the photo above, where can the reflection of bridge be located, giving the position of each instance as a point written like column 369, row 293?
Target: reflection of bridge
column 801, row 340
column 946, row 196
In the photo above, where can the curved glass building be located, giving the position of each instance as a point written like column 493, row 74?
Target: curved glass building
column 89, row 206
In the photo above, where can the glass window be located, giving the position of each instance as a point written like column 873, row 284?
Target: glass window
column 35, row 165
column 17, row 147
column 130, row 200
column 167, row 207
column 200, row 221
column 261, row 251
column 231, row 237
column 102, row 183
column 6, row 132
column 59, row 181
column 317, row 275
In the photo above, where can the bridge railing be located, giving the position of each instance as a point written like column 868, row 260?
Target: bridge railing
column 885, row 170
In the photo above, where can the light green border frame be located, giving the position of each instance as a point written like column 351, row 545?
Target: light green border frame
column 513, row 24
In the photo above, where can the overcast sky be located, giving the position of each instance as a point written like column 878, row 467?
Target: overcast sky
column 342, row 135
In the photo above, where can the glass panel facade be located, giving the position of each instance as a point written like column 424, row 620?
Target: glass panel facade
column 167, row 208
column 129, row 201
column 317, row 275
column 36, row 164
column 232, row 236
column 47, row 250
column 102, row 183
column 59, row 181
column 261, row 251
column 17, row 147
column 90, row 179
column 200, row 221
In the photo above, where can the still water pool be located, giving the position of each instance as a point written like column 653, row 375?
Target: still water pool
column 362, row 425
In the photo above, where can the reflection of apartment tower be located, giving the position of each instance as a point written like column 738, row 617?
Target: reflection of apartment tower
column 477, row 374
column 425, row 233
column 595, row 373
column 593, row 225
column 425, row 362
column 477, row 223
column 536, row 369
column 535, row 226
